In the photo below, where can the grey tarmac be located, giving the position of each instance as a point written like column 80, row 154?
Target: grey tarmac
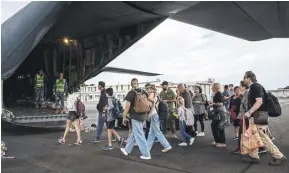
column 39, row 153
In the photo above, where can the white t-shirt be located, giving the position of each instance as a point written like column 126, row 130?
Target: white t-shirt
column 71, row 102
column 153, row 108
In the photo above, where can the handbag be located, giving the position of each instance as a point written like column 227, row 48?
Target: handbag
column 250, row 139
column 233, row 113
column 261, row 117
column 224, row 120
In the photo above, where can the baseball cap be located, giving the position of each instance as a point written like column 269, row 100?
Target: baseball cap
column 165, row 83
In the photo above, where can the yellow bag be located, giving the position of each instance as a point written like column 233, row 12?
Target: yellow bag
column 250, row 139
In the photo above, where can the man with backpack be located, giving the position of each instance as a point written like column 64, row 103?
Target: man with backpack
column 138, row 107
column 102, row 110
column 168, row 96
column 261, row 105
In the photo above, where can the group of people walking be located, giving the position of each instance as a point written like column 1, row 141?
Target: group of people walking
column 160, row 111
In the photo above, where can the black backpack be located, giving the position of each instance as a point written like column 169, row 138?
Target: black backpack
column 117, row 109
column 162, row 108
column 272, row 104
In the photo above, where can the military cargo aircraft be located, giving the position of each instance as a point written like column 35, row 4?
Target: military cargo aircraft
column 80, row 38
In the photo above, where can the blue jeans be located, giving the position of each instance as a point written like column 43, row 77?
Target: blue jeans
column 185, row 135
column 100, row 124
column 155, row 132
column 138, row 136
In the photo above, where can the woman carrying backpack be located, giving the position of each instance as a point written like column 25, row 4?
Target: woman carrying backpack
column 73, row 116
column 155, row 131
column 185, row 119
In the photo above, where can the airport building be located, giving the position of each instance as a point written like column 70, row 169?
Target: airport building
column 91, row 92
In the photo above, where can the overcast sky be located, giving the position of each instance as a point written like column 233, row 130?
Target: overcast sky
column 184, row 52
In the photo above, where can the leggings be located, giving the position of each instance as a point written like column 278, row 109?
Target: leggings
column 201, row 119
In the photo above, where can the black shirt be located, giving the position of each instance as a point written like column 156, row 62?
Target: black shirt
column 103, row 100
column 236, row 102
column 130, row 97
column 256, row 91
column 218, row 98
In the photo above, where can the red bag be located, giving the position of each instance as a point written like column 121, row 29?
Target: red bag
column 233, row 113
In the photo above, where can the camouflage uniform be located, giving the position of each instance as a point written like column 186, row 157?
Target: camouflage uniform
column 39, row 90
column 60, row 89
column 169, row 95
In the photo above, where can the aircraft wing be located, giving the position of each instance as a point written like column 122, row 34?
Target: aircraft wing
column 124, row 71
column 249, row 20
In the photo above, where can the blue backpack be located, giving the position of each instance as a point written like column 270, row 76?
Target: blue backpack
column 117, row 109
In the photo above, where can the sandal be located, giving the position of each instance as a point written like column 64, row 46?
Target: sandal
column 61, row 141
column 78, row 143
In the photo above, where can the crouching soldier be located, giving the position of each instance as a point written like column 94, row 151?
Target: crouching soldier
column 39, row 89
column 60, row 89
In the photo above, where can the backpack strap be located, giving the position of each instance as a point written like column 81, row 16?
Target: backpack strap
column 158, row 100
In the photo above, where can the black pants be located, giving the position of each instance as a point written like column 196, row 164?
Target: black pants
column 219, row 134
column 201, row 119
column 191, row 131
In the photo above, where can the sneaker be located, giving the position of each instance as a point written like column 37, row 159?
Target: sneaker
column 95, row 141
column 201, row 134
column 145, row 158
column 126, row 141
column 262, row 150
column 175, row 136
column 191, row 141
column 166, row 150
column 235, row 138
column 221, row 145
column 248, row 159
column 237, row 151
column 277, row 162
column 183, row 144
column 108, row 148
column 123, row 151
column 113, row 140
column 197, row 132
column 135, row 145
column 214, row 143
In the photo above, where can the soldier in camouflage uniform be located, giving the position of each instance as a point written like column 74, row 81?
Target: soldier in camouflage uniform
column 168, row 96
column 39, row 89
column 60, row 89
